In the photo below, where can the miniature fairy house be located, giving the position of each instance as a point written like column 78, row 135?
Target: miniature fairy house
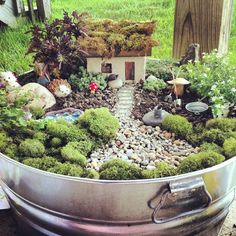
column 128, row 68
column 119, row 48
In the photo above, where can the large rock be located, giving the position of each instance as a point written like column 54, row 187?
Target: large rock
column 152, row 119
column 41, row 96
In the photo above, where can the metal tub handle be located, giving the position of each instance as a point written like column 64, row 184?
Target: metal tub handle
column 181, row 189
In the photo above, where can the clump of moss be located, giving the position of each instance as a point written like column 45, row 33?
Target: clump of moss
column 71, row 154
column 163, row 169
column 66, row 132
column 4, row 140
column 12, row 151
column 224, row 124
column 100, row 122
column 32, row 148
column 154, row 85
column 43, row 163
column 84, row 147
column 211, row 147
column 56, row 142
column 67, row 169
column 118, row 169
column 41, row 136
column 214, row 136
column 90, row 173
column 200, row 161
column 37, row 112
column 229, row 147
column 178, row 125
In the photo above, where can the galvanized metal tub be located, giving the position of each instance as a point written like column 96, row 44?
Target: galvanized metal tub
column 53, row 204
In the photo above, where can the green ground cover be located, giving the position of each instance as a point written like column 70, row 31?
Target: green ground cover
column 14, row 42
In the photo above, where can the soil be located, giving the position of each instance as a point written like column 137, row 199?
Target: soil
column 83, row 100
column 145, row 101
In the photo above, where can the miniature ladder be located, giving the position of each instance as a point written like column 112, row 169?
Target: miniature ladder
column 125, row 102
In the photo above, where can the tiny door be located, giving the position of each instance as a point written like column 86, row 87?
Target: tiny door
column 129, row 70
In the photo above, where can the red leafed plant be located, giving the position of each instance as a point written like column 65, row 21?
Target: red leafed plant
column 56, row 45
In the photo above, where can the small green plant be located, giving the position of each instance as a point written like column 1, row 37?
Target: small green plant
column 208, row 78
column 118, row 169
column 71, row 154
column 230, row 147
column 81, row 81
column 12, row 151
column 163, row 169
column 154, row 85
column 100, row 122
column 161, row 69
column 200, row 161
column 178, row 125
column 31, row 148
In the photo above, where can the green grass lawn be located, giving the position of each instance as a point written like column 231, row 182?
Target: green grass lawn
column 14, row 42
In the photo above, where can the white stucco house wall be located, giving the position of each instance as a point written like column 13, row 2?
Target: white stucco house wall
column 129, row 66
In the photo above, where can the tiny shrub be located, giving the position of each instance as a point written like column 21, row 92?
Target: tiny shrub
column 37, row 112
column 230, row 147
column 56, row 142
column 178, row 125
column 200, row 161
column 31, row 148
column 154, row 85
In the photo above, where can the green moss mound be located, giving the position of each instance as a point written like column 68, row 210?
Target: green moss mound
column 214, row 136
column 229, row 147
column 200, row 161
column 43, row 163
column 4, row 140
column 119, row 170
column 91, row 174
column 100, row 122
column 56, row 142
column 32, row 148
column 224, row 124
column 178, row 125
column 41, row 136
column 211, row 147
column 71, row 154
column 163, row 169
column 12, row 151
column 67, row 169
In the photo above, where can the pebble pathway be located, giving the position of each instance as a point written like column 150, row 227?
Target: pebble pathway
column 137, row 143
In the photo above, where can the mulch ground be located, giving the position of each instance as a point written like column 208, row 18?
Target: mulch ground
column 145, row 101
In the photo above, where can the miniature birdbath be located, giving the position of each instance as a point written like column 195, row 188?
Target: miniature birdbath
column 196, row 107
column 178, row 85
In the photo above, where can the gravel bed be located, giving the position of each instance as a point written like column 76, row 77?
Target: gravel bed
column 142, row 145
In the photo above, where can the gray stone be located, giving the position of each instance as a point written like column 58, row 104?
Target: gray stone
column 151, row 78
column 152, row 120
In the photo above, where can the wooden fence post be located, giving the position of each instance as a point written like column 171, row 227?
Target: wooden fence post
column 44, row 9
column 206, row 22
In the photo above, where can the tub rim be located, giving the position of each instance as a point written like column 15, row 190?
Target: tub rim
column 101, row 181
